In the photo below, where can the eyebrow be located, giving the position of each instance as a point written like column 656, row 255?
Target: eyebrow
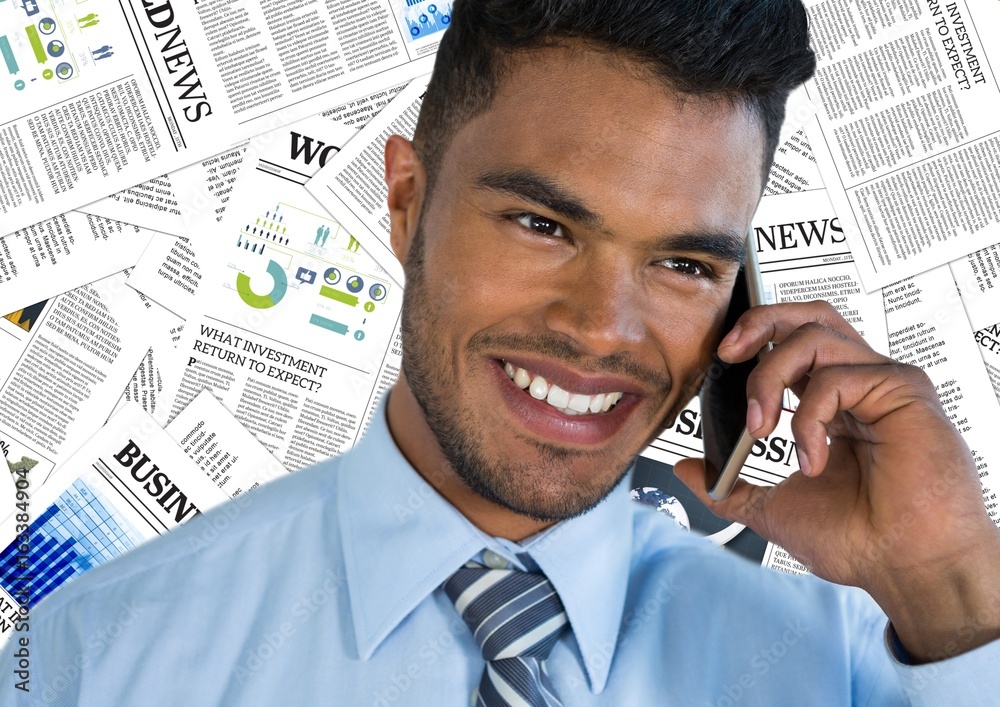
column 529, row 186
column 721, row 245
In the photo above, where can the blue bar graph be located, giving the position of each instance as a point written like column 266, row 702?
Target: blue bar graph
column 79, row 531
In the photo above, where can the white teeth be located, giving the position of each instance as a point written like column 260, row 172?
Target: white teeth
column 539, row 388
column 579, row 403
column 563, row 400
column 557, row 397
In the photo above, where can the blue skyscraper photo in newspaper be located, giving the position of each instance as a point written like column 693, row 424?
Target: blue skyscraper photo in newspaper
column 79, row 531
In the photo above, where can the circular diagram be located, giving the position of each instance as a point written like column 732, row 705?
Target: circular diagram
column 64, row 70
column 46, row 25
column 377, row 292
column 56, row 48
column 355, row 283
column 331, row 276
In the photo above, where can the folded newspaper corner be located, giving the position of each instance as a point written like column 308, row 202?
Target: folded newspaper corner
column 130, row 482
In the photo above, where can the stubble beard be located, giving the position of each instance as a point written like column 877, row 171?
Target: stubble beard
column 530, row 488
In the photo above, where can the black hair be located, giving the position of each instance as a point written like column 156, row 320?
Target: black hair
column 751, row 52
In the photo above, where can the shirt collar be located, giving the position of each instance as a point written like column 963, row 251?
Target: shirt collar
column 383, row 503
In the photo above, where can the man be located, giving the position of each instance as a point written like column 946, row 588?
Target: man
column 571, row 218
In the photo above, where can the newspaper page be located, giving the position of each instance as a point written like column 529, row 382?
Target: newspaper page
column 221, row 447
column 107, row 95
column 804, row 256
column 64, row 364
column 130, row 482
column 988, row 339
column 352, row 186
column 906, row 138
column 48, row 258
column 151, row 204
column 929, row 328
column 156, row 372
column 15, row 465
column 295, row 321
column 169, row 269
column 794, row 167
column 172, row 203
column 978, row 278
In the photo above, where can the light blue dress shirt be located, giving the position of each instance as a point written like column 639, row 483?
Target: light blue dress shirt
column 324, row 588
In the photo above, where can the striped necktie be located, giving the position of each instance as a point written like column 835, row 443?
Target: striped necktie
column 516, row 617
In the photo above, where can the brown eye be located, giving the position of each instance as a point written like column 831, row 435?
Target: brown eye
column 685, row 266
column 540, row 224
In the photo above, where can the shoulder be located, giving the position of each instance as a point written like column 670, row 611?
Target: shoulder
column 699, row 573
column 273, row 521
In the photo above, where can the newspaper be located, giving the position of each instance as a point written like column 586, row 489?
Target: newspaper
column 296, row 324
column 804, row 256
column 48, row 258
column 978, row 278
column 989, row 346
column 794, row 168
column 906, row 137
column 64, row 364
column 221, row 447
column 130, row 482
column 173, row 203
column 929, row 328
column 352, row 185
column 108, row 95
column 169, row 270
column 151, row 204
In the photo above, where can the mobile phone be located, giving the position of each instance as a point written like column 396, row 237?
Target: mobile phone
column 723, row 393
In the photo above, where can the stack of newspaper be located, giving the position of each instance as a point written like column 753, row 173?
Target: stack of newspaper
column 187, row 320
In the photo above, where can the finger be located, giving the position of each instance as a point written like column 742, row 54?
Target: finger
column 744, row 504
column 868, row 392
column 809, row 348
column 776, row 322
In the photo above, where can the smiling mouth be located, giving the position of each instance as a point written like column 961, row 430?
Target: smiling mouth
column 565, row 401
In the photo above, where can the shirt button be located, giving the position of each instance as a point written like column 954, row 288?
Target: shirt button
column 495, row 561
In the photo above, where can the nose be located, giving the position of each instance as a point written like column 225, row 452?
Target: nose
column 598, row 307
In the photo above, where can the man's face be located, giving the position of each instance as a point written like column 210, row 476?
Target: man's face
column 583, row 235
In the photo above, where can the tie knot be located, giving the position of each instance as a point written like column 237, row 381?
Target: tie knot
column 510, row 613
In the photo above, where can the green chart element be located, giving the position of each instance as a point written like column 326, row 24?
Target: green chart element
column 339, row 296
column 335, row 327
column 36, row 44
column 272, row 298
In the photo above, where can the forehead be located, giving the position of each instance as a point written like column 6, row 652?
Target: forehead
column 616, row 135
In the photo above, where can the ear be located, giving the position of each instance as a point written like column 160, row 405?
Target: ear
column 407, row 181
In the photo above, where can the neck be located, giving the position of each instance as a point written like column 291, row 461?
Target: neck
column 419, row 445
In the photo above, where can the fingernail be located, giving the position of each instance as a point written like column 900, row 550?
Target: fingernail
column 803, row 462
column 755, row 416
column 731, row 338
